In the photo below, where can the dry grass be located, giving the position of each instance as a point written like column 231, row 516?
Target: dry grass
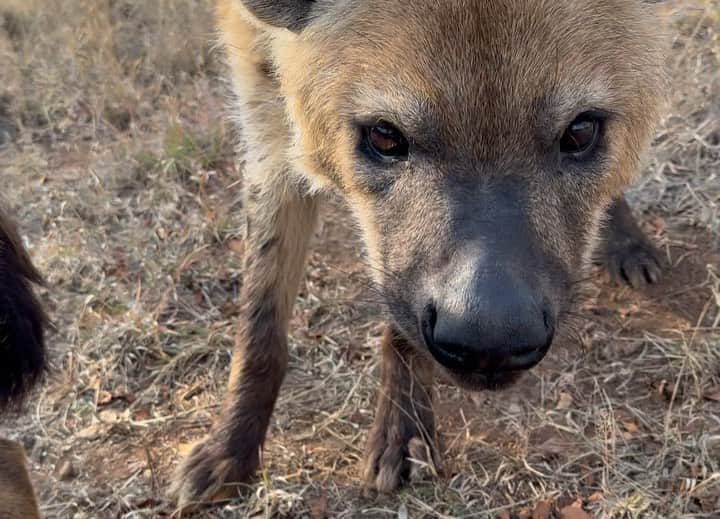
column 119, row 165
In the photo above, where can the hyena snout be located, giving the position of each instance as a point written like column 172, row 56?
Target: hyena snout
column 497, row 325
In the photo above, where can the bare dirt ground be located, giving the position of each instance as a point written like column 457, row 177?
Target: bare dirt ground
column 117, row 161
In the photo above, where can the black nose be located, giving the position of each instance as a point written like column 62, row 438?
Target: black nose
column 500, row 328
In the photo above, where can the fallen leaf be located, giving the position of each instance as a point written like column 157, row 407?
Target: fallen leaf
column 141, row 414
column 318, row 507
column 91, row 432
column 631, row 427
column 542, row 510
column 504, row 515
column 110, row 416
column 525, row 513
column 712, row 394
column 595, row 498
column 631, row 430
column 237, row 246
column 574, row 512
column 658, row 224
column 566, row 500
column 565, row 401
column 104, row 397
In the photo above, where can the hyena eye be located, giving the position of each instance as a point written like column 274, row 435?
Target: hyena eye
column 581, row 136
column 386, row 142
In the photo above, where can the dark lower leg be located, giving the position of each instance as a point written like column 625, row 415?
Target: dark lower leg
column 626, row 251
column 404, row 428
column 280, row 223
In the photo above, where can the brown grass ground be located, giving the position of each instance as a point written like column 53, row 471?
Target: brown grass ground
column 119, row 165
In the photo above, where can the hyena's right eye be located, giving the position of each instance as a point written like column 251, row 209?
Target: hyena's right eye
column 385, row 142
column 581, row 137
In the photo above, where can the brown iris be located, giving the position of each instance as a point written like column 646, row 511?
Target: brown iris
column 581, row 136
column 386, row 141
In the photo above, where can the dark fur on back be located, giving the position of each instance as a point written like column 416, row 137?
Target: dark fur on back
column 22, row 319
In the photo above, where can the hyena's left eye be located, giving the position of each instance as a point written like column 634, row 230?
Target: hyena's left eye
column 385, row 142
column 581, row 136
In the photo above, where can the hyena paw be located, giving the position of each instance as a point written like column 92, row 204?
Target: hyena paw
column 634, row 262
column 207, row 475
column 391, row 462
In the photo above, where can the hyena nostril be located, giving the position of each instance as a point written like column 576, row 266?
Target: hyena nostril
column 549, row 321
column 428, row 320
column 546, row 320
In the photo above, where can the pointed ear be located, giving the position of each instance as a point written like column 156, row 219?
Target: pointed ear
column 287, row 14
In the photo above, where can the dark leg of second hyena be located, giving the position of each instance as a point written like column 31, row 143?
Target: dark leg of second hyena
column 280, row 223
column 626, row 251
column 402, row 444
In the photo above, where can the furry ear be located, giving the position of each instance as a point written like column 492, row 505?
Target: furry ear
column 287, row 14
column 22, row 319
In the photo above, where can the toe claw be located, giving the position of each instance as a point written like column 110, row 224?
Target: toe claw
column 635, row 264
column 208, row 475
column 390, row 465
column 423, row 462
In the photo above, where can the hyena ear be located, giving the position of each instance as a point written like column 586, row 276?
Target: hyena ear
column 287, row 14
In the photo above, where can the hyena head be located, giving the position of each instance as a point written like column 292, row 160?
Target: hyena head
column 479, row 144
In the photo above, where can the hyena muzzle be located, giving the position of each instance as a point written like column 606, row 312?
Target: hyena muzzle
column 483, row 147
column 22, row 359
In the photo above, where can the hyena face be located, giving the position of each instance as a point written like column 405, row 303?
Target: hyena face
column 479, row 147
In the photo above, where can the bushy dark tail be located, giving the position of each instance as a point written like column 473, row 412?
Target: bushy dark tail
column 22, row 319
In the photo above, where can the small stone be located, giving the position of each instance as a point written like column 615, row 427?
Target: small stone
column 39, row 451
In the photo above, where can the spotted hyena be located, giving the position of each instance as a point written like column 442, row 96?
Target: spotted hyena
column 483, row 146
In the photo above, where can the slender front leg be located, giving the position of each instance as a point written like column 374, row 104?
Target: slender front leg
column 280, row 221
column 402, row 444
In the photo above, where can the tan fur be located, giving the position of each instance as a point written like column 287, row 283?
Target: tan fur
column 17, row 498
column 486, row 84
column 281, row 214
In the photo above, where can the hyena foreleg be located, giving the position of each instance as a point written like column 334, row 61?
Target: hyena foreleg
column 402, row 444
column 280, row 220
column 627, row 253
